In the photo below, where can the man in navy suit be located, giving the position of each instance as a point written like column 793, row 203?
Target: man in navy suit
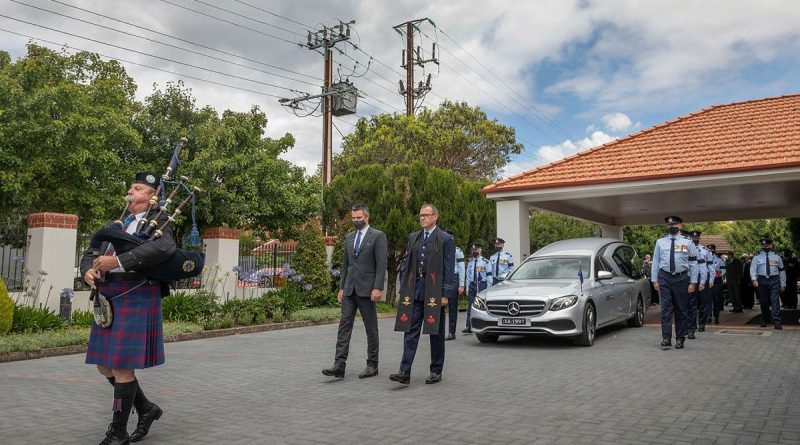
column 425, row 290
column 363, row 272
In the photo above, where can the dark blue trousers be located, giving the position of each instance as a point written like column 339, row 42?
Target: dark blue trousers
column 704, row 303
column 452, row 315
column 769, row 296
column 674, row 294
column 411, row 338
column 473, row 290
column 717, row 299
column 694, row 297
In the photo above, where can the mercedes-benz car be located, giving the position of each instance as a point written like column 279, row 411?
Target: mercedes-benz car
column 568, row 288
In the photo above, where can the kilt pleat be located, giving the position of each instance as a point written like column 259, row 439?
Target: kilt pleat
column 135, row 339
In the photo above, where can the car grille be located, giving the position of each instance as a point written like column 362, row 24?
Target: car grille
column 526, row 308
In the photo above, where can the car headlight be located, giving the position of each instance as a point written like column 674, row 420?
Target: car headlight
column 563, row 302
column 479, row 303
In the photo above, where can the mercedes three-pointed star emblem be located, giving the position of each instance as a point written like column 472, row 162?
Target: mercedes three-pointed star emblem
column 513, row 308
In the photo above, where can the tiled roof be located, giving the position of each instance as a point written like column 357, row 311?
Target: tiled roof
column 719, row 241
column 744, row 136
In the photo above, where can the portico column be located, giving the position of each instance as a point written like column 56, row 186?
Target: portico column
column 513, row 226
column 50, row 259
column 612, row 232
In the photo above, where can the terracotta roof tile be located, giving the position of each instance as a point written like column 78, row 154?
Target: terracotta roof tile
column 751, row 135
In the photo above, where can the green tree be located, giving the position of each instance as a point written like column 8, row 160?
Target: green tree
column 65, row 124
column 455, row 137
column 546, row 227
column 745, row 235
column 244, row 183
column 394, row 195
column 309, row 262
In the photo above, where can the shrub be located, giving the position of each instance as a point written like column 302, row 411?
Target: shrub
column 82, row 318
column 6, row 309
column 226, row 322
column 315, row 314
column 310, row 263
column 291, row 298
column 33, row 319
column 382, row 307
column 192, row 307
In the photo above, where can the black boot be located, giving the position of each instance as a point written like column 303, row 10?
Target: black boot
column 148, row 413
column 115, row 437
column 117, row 433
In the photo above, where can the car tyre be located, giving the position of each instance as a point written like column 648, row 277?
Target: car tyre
column 637, row 321
column 589, row 327
column 487, row 338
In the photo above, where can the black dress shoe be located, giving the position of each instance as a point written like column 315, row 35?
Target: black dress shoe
column 450, row 337
column 433, row 378
column 679, row 343
column 778, row 327
column 716, row 321
column 401, row 378
column 369, row 371
column 762, row 325
column 114, row 437
column 467, row 331
column 145, row 420
column 335, row 371
column 691, row 336
column 701, row 329
column 665, row 344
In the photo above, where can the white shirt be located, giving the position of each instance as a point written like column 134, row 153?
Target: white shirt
column 130, row 229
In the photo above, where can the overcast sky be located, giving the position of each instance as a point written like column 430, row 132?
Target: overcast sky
column 567, row 75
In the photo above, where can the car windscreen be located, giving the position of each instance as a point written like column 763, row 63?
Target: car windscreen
column 558, row 268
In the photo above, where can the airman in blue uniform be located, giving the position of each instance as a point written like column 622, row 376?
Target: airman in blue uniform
column 452, row 306
column 702, row 277
column 479, row 277
column 674, row 274
column 717, row 299
column 769, row 277
column 502, row 263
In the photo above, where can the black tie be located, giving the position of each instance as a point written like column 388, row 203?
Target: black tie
column 672, row 257
column 475, row 274
column 425, row 238
column 767, row 255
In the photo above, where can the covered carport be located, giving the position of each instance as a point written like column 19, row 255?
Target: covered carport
column 725, row 162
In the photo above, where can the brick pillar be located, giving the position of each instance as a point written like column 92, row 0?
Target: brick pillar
column 52, row 239
column 221, row 245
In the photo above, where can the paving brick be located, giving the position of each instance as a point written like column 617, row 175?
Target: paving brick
column 267, row 388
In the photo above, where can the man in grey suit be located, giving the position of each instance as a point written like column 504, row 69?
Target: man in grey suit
column 363, row 271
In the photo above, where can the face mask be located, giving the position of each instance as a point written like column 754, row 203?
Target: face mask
column 696, row 242
column 359, row 224
column 673, row 230
column 767, row 249
column 475, row 254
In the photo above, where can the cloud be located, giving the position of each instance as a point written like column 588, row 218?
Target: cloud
column 617, row 122
column 551, row 153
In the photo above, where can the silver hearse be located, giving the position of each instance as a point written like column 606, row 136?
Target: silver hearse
column 568, row 289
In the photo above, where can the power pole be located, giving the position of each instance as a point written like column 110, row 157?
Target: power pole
column 325, row 39
column 409, row 60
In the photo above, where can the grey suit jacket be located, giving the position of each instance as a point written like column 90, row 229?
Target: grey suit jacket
column 366, row 271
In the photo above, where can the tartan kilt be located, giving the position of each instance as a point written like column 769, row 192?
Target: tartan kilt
column 135, row 339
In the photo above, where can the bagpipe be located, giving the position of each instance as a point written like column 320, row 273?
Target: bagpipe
column 183, row 263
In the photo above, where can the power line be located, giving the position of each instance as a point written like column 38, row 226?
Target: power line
column 273, row 14
column 232, row 23
column 164, row 43
column 244, row 16
column 186, row 41
column 143, row 65
column 152, row 55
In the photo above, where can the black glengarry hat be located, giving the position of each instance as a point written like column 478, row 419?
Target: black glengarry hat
column 148, row 179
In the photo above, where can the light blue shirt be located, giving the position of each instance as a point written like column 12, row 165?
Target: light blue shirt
column 501, row 263
column 703, row 255
column 460, row 266
column 480, row 266
column 759, row 266
column 719, row 266
column 685, row 257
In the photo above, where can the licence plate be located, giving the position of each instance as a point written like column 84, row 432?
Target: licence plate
column 513, row 322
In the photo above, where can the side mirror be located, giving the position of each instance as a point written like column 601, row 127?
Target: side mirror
column 604, row 275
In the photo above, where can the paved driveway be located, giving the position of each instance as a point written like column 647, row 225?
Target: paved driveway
column 267, row 388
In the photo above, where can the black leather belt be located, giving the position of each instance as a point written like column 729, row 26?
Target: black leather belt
column 768, row 277
column 125, row 276
column 673, row 274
